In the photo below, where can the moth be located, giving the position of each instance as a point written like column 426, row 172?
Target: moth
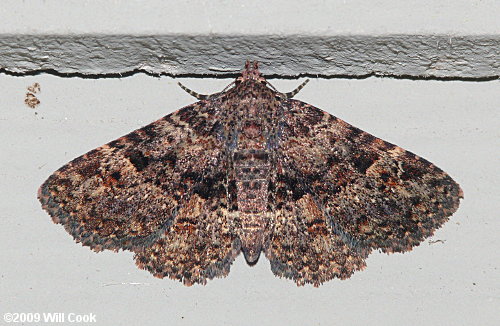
column 250, row 170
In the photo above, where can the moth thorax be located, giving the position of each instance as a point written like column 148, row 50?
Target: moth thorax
column 252, row 129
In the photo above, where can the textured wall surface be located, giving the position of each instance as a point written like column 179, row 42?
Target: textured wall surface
column 411, row 56
column 455, row 39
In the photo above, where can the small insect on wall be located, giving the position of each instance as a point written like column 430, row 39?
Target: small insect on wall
column 250, row 169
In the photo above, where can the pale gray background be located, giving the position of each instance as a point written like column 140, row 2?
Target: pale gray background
column 454, row 124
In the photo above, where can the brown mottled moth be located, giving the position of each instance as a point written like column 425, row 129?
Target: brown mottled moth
column 250, row 169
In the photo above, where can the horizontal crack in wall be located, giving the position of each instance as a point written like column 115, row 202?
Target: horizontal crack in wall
column 224, row 76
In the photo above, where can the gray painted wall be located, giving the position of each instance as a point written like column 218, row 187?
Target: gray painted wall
column 452, row 279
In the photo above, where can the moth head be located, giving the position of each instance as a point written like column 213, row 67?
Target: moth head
column 251, row 72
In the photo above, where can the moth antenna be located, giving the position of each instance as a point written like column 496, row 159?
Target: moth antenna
column 295, row 91
column 227, row 87
column 271, row 86
column 193, row 93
